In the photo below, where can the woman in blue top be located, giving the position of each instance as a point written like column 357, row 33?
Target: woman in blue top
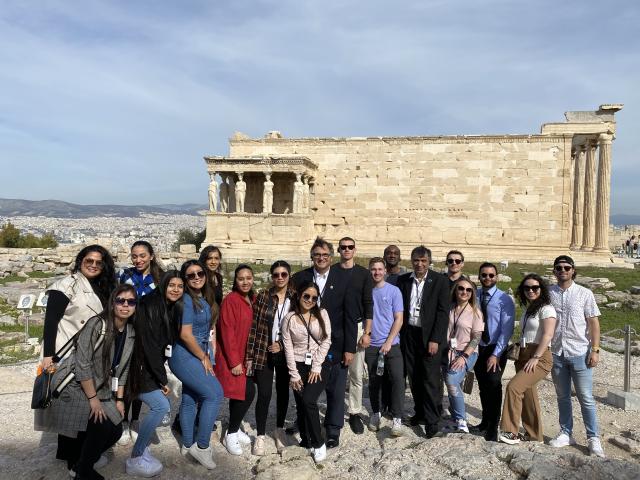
column 192, row 361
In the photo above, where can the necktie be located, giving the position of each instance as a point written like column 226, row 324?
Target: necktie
column 485, row 301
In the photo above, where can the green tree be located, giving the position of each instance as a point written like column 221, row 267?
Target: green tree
column 186, row 236
column 11, row 237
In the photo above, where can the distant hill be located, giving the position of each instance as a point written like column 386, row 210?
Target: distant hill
column 56, row 208
column 622, row 220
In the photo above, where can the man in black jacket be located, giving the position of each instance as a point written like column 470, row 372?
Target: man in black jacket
column 425, row 294
column 332, row 286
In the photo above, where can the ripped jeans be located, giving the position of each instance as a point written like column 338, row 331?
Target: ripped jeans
column 453, row 381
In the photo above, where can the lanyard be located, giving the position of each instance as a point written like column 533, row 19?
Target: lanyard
column 419, row 291
column 279, row 315
column 455, row 320
column 120, row 341
column 309, row 335
column 320, row 294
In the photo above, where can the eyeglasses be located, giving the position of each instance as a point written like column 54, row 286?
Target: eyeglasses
column 531, row 288
column 92, row 262
column 126, row 301
column 559, row 268
column 451, row 261
column 280, row 275
column 346, row 247
column 463, row 289
column 194, row 275
column 309, row 298
column 487, row 275
column 320, row 255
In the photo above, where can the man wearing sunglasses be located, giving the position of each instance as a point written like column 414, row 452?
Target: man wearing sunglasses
column 576, row 351
column 498, row 311
column 332, row 288
column 359, row 309
column 455, row 264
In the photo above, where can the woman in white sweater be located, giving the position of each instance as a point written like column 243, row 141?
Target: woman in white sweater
column 306, row 335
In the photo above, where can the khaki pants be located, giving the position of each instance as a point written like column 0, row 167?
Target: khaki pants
column 356, row 375
column 521, row 396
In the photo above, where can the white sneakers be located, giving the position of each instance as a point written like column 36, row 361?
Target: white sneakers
column 461, row 426
column 146, row 465
column 396, row 429
column 125, row 438
column 319, row 454
column 562, row 440
column 374, row 422
column 203, row 456
column 232, row 443
column 595, row 447
column 280, row 437
column 258, row 446
column 243, row 438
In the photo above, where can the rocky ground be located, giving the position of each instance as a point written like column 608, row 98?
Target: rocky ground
column 28, row 454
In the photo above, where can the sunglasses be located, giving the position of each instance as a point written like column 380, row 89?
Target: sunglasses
column 464, row 289
column 346, row 247
column 92, row 262
column 194, row 275
column 531, row 288
column 487, row 275
column 559, row 268
column 126, row 301
column 279, row 275
column 309, row 298
column 451, row 261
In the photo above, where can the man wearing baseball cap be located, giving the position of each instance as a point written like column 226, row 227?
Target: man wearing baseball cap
column 576, row 351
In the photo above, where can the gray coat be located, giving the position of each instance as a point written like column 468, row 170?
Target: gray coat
column 69, row 413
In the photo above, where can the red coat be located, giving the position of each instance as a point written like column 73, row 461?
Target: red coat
column 236, row 316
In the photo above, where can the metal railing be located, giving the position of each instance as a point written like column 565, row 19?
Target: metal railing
column 628, row 332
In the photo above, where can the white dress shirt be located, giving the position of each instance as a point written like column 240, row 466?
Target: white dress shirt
column 321, row 281
column 417, row 289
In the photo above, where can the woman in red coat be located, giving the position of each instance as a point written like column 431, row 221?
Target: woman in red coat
column 236, row 316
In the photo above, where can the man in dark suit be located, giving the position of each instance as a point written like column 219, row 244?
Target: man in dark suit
column 332, row 287
column 425, row 294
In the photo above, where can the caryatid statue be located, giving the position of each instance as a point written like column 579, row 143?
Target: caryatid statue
column 241, row 191
column 224, row 194
column 267, row 195
column 213, row 193
column 298, row 193
column 306, row 195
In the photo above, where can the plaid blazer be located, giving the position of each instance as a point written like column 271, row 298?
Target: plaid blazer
column 264, row 312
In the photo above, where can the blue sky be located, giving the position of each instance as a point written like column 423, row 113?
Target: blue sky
column 117, row 102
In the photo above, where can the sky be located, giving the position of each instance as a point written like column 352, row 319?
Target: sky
column 117, row 102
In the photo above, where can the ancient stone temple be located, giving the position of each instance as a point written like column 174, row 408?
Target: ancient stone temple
column 519, row 197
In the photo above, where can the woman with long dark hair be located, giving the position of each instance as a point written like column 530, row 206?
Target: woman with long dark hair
column 306, row 335
column 534, row 363
column 236, row 317
column 265, row 353
column 86, row 412
column 157, row 328
column 211, row 257
column 144, row 276
column 192, row 361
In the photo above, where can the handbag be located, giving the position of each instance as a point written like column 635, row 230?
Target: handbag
column 467, row 384
column 513, row 351
column 41, row 397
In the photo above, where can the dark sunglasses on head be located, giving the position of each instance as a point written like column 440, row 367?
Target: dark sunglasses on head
column 346, row 247
column 279, row 275
column 487, row 275
column 93, row 262
column 128, row 301
column 194, row 275
column 559, row 268
column 309, row 298
column 532, row 288
column 451, row 261
column 463, row 289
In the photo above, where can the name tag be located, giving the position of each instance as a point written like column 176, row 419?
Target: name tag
column 453, row 343
column 307, row 358
column 114, row 384
column 168, row 351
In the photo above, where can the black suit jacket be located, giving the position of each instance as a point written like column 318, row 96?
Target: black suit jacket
column 434, row 308
column 343, row 330
column 359, row 296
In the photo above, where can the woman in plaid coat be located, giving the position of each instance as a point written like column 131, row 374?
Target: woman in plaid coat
column 265, row 353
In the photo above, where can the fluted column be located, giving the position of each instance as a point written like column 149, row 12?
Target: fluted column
column 603, row 195
column 578, row 197
column 589, row 219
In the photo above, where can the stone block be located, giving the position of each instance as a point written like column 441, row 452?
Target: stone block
column 624, row 400
column 188, row 248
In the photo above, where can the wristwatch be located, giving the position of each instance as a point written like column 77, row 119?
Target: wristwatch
column 595, row 349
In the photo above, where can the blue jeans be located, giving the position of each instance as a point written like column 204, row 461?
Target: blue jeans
column 453, row 381
column 197, row 388
column 158, row 406
column 568, row 369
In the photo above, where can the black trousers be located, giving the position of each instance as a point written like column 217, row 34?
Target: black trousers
column 82, row 452
column 425, row 378
column 490, row 385
column 239, row 408
column 394, row 369
column 307, row 406
column 264, row 381
column 336, row 384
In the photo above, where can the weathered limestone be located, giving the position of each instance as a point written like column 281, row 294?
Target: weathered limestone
column 578, row 197
column 603, row 198
column 588, row 233
column 213, row 193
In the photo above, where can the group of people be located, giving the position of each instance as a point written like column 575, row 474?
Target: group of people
column 311, row 332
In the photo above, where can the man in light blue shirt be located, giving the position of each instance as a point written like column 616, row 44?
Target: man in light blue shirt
column 498, row 311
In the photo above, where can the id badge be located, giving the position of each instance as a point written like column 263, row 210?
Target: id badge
column 453, row 343
column 523, row 343
column 114, row 384
column 307, row 358
column 168, row 351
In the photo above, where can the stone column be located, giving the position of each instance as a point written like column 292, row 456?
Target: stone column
column 578, row 197
column 603, row 198
column 589, row 220
column 241, row 191
column 267, row 195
